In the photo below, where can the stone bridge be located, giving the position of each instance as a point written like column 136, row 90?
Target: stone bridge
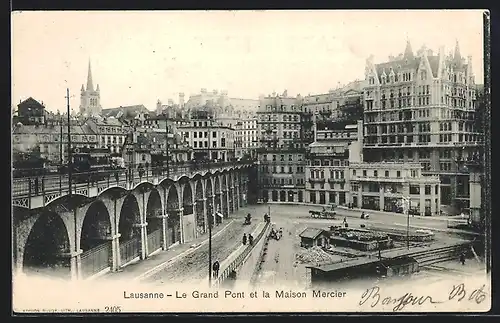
column 108, row 223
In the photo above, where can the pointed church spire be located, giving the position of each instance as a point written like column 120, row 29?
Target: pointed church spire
column 408, row 51
column 457, row 57
column 90, row 86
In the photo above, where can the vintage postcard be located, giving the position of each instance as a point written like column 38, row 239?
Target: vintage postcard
column 251, row 161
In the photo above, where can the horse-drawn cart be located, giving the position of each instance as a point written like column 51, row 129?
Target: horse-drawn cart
column 324, row 214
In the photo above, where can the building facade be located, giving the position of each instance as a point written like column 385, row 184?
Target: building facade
column 392, row 187
column 90, row 99
column 207, row 137
column 110, row 133
column 327, row 169
column 51, row 140
column 30, row 112
column 246, row 141
column 281, row 155
column 148, row 149
column 336, row 174
column 421, row 108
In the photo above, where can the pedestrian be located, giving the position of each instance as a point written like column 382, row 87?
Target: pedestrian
column 215, row 268
column 345, row 219
column 244, row 238
column 250, row 239
column 462, row 258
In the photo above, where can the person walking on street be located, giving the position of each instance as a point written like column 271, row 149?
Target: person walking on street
column 215, row 268
column 250, row 239
column 244, row 238
column 462, row 258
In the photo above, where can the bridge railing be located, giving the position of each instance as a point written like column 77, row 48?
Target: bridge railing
column 39, row 185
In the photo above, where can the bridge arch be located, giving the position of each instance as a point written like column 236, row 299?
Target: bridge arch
column 174, row 214
column 95, row 239
column 64, row 199
column 224, row 196
column 200, row 206
column 217, row 194
column 209, row 195
column 154, row 212
column 188, row 220
column 129, row 229
column 48, row 246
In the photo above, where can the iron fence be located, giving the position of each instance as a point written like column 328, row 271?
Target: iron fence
column 39, row 185
column 239, row 260
column 96, row 259
column 154, row 240
column 129, row 250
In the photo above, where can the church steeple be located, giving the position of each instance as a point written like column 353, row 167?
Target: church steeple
column 90, row 85
column 408, row 51
column 457, row 57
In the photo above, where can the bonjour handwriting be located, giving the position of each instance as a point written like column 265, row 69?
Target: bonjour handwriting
column 373, row 297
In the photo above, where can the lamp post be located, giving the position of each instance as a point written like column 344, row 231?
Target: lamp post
column 70, row 157
column 60, row 151
column 407, row 210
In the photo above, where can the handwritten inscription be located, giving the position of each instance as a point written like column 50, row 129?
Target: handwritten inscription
column 459, row 293
column 399, row 302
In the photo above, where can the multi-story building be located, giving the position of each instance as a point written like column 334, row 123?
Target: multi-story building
column 148, row 148
column 337, row 174
column 90, row 99
column 220, row 98
column 328, row 160
column 131, row 115
column 110, row 132
column 421, row 108
column 281, row 154
column 30, row 112
column 208, row 138
column 345, row 103
column 51, row 139
column 386, row 186
column 246, row 141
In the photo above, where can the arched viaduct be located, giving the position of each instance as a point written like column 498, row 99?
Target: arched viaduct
column 81, row 235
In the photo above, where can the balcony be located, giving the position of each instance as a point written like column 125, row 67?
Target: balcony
column 316, row 180
column 379, row 179
column 336, row 180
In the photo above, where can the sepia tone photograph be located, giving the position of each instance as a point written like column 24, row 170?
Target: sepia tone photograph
column 250, row 161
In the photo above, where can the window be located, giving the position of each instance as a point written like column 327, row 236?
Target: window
column 386, row 173
column 364, row 173
column 427, row 190
column 375, row 173
column 414, row 189
column 353, row 172
column 398, row 173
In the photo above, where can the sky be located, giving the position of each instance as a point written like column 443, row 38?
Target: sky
column 140, row 57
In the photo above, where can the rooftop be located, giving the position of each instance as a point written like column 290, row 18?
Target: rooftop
column 311, row 233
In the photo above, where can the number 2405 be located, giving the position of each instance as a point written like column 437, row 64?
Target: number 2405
column 113, row 309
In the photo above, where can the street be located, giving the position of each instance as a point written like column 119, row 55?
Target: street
column 194, row 267
column 280, row 266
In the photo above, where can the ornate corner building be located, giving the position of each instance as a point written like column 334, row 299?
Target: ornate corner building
column 422, row 108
